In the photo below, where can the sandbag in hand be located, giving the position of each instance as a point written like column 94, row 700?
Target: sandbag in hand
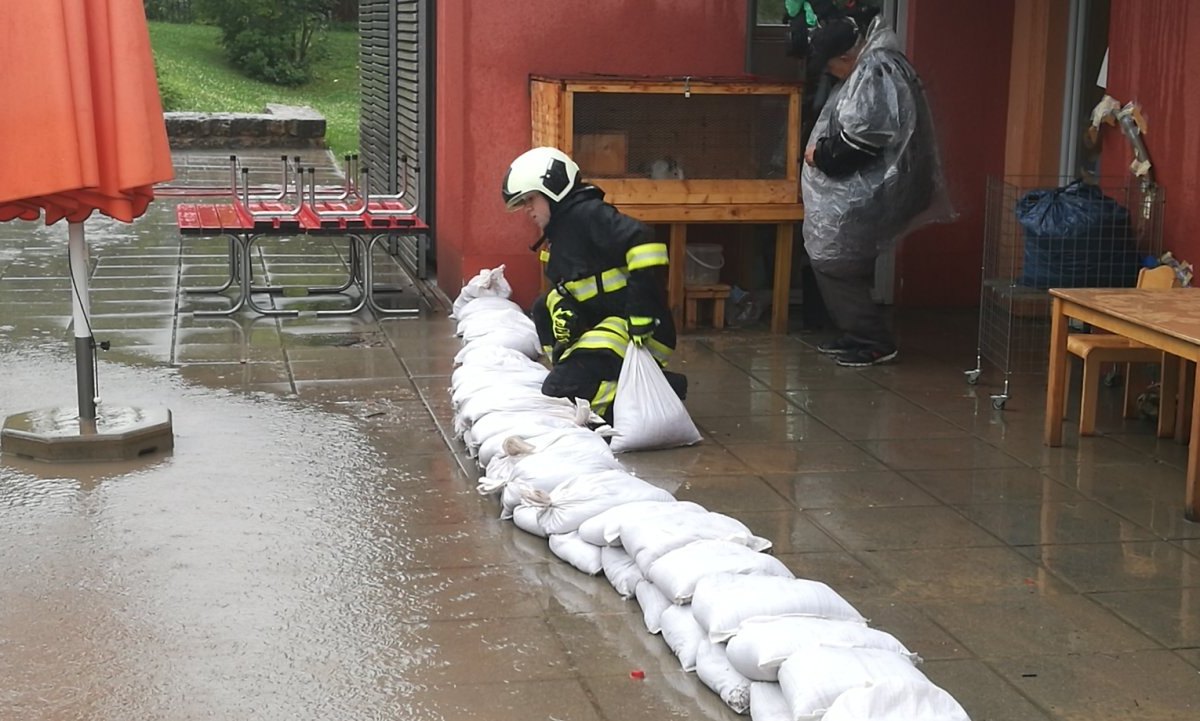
column 646, row 412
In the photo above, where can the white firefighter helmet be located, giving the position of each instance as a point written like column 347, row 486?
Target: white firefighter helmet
column 548, row 171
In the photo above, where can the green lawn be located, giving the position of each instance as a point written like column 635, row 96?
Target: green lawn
column 190, row 61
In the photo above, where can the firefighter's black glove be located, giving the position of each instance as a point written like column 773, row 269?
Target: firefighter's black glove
column 641, row 327
column 562, row 321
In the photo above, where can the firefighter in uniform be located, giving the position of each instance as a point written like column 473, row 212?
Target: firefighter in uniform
column 606, row 274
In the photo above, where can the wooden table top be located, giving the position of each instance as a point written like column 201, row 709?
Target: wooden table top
column 717, row 213
column 1175, row 312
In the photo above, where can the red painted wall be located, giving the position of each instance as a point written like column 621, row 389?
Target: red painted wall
column 485, row 53
column 962, row 51
column 1153, row 58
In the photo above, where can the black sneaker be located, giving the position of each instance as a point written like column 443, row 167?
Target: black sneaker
column 840, row 346
column 864, row 357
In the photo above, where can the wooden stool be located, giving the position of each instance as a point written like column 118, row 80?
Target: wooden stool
column 717, row 293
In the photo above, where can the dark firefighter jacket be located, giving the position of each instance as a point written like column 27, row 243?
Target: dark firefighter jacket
column 605, row 264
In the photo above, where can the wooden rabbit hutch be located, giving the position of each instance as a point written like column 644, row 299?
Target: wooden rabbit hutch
column 680, row 150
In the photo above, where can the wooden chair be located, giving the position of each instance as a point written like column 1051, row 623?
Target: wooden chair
column 1095, row 349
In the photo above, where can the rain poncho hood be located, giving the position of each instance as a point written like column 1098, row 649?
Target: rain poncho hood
column 881, row 102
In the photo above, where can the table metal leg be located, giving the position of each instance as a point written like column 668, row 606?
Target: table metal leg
column 352, row 278
column 369, row 282
column 241, row 272
column 233, row 271
column 1057, row 375
column 358, row 275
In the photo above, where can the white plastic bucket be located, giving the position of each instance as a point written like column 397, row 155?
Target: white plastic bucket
column 704, row 263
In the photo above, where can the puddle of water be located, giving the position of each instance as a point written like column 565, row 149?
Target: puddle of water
column 248, row 574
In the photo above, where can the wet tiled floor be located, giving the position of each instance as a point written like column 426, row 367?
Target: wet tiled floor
column 314, row 547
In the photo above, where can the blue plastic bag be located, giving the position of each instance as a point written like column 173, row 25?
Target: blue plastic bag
column 1076, row 237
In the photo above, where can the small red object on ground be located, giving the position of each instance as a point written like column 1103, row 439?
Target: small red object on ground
column 638, row 674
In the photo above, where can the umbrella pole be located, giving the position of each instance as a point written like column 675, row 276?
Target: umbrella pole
column 85, row 346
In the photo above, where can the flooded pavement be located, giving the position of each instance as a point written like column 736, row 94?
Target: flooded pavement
column 313, row 547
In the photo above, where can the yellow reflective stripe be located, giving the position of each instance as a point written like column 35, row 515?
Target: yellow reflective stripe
column 659, row 350
column 614, row 324
column 610, row 334
column 583, row 289
column 605, row 394
column 553, row 298
column 596, row 342
column 646, row 255
column 614, row 279
column 586, row 288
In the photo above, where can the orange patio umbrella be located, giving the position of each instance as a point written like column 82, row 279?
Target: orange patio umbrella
column 81, row 129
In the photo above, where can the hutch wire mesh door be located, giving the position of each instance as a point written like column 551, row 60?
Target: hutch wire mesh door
column 1042, row 233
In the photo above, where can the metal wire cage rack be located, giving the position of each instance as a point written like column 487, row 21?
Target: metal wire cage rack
column 1042, row 233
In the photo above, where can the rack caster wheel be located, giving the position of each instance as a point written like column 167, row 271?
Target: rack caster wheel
column 998, row 402
column 972, row 376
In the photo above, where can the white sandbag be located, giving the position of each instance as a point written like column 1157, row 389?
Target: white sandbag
column 486, row 379
column 511, row 494
column 682, row 634
column 896, row 699
column 583, row 496
column 723, row 601
column 762, row 644
column 472, row 376
column 620, row 570
column 814, row 677
column 526, row 519
column 648, row 538
column 767, row 703
column 577, row 552
column 646, row 412
column 604, row 529
column 487, row 282
column 531, row 432
column 652, row 603
column 485, row 356
column 482, row 323
column 492, row 444
column 493, row 429
column 677, row 572
column 485, row 303
column 524, row 399
column 543, row 462
column 522, row 340
column 716, row 673
column 527, row 386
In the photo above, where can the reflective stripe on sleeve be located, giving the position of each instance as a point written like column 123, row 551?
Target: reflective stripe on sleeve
column 646, row 255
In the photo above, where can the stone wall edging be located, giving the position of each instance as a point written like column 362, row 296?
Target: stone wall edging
column 280, row 126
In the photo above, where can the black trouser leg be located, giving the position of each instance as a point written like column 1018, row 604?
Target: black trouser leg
column 846, row 288
column 584, row 375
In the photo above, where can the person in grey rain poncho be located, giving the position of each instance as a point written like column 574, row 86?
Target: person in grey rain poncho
column 871, row 175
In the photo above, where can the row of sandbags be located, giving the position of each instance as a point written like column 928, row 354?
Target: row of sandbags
column 770, row 645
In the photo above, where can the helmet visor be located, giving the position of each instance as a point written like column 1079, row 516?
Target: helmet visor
column 514, row 203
